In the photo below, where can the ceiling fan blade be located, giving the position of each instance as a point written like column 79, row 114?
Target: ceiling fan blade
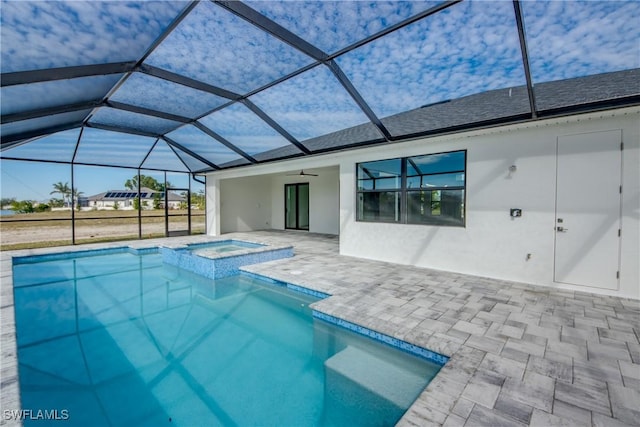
column 301, row 173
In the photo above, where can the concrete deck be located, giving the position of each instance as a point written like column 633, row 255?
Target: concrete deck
column 520, row 354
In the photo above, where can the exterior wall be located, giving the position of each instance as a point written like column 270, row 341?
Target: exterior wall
column 245, row 204
column 492, row 244
column 324, row 209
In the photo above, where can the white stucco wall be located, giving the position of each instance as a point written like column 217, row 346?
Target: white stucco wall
column 245, row 204
column 492, row 244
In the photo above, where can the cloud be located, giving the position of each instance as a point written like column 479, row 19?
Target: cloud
column 244, row 129
column 221, row 49
column 126, row 119
column 162, row 95
column 209, row 148
column 310, row 104
column 574, row 39
column 334, row 25
column 106, row 147
column 58, row 146
column 469, row 48
column 34, row 96
column 44, row 122
column 45, row 34
column 163, row 157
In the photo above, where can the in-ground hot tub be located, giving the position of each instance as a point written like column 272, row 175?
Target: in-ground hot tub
column 222, row 258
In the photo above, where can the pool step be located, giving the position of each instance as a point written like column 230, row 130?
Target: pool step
column 362, row 389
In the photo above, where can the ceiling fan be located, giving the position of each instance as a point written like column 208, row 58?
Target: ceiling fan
column 302, row 173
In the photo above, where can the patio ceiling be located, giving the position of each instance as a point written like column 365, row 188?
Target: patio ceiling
column 209, row 85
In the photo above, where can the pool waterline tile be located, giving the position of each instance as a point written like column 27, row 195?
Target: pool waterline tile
column 424, row 353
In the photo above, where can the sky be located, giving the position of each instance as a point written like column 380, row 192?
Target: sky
column 468, row 48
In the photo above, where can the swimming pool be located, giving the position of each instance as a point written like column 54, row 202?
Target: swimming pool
column 120, row 338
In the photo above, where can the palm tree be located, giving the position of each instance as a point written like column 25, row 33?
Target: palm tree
column 76, row 197
column 62, row 188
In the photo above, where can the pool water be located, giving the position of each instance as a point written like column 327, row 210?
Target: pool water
column 123, row 339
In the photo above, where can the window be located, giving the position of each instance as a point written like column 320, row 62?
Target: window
column 380, row 190
column 427, row 189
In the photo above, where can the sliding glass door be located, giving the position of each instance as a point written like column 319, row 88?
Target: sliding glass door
column 296, row 206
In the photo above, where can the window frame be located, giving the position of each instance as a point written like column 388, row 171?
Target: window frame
column 399, row 190
column 404, row 191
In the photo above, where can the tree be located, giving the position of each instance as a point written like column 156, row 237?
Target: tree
column 145, row 181
column 56, row 203
column 23, row 206
column 116, row 206
column 136, row 203
column 157, row 198
column 42, row 207
column 62, row 189
column 76, row 197
column 198, row 199
column 6, row 201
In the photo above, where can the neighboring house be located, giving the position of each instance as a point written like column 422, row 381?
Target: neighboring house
column 125, row 199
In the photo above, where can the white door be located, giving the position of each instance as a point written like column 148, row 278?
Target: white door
column 588, row 209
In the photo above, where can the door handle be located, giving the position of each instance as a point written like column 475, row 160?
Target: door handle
column 562, row 229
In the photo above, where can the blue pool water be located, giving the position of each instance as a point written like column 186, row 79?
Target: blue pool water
column 125, row 339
